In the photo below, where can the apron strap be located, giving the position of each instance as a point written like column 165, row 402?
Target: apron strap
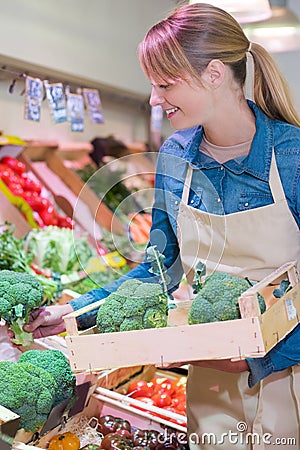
column 275, row 181
column 187, row 185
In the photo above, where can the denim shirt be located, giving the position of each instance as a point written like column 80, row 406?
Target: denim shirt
column 240, row 184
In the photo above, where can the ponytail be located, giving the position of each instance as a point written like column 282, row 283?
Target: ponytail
column 271, row 91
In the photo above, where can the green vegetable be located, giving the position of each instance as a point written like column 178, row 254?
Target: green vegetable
column 20, row 294
column 217, row 298
column 14, row 257
column 57, row 365
column 283, row 288
column 134, row 306
column 28, row 391
column 158, row 268
column 58, row 249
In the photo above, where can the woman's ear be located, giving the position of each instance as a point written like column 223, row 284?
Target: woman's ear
column 214, row 73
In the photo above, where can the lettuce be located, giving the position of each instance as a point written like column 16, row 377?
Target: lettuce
column 58, row 249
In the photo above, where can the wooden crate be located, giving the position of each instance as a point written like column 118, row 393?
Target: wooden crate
column 9, row 423
column 251, row 336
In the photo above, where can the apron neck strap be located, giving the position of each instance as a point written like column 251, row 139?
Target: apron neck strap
column 187, row 185
column 275, row 181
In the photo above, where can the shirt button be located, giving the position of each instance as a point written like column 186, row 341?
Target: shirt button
column 246, row 204
column 218, row 200
column 176, row 202
column 192, row 201
column 222, row 168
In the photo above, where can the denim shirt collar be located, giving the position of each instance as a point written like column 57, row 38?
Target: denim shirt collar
column 256, row 163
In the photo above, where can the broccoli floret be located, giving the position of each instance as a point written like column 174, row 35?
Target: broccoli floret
column 222, row 291
column 201, row 311
column 132, row 323
column 110, row 315
column 146, row 307
column 20, row 294
column 225, row 310
column 135, row 306
column 28, row 391
column 154, row 318
column 129, row 286
column 57, row 365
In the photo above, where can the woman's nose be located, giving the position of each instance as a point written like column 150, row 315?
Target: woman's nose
column 156, row 98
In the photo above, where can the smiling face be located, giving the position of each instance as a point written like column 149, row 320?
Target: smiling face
column 184, row 103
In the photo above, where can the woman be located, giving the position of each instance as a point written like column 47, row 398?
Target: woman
column 227, row 192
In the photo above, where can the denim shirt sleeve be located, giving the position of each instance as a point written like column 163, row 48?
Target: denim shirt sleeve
column 162, row 235
column 285, row 354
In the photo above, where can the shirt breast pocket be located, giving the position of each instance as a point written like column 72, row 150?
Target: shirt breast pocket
column 253, row 200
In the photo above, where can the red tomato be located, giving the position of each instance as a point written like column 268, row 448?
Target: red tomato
column 162, row 400
column 178, row 400
column 139, row 388
column 32, row 185
column 14, row 164
column 15, row 188
column 181, row 408
column 6, row 173
column 34, row 200
column 64, row 222
column 49, row 216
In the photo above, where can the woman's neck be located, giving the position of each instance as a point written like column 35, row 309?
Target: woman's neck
column 234, row 123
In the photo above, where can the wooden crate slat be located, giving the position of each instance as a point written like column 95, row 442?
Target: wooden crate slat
column 160, row 346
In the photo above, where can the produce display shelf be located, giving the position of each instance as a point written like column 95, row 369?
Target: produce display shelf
column 251, row 336
column 109, row 401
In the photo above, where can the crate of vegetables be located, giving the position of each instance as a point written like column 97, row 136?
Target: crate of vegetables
column 226, row 319
column 105, row 425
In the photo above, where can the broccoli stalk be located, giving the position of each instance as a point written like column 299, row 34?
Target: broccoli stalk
column 17, row 320
column 157, row 268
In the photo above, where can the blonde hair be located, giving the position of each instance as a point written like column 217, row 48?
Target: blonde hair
column 182, row 45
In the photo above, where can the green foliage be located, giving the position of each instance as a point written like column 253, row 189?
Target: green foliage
column 28, row 391
column 13, row 256
column 200, row 271
column 20, row 294
column 57, row 365
column 217, row 298
column 134, row 306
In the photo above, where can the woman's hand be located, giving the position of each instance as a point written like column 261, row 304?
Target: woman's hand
column 47, row 321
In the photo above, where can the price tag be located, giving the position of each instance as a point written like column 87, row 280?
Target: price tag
column 290, row 308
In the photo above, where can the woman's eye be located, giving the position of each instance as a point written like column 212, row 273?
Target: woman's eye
column 164, row 86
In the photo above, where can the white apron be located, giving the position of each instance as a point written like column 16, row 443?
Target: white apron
column 250, row 243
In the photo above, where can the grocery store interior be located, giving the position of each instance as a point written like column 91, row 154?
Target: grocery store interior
column 78, row 150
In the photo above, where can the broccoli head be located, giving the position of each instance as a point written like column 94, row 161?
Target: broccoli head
column 133, row 306
column 20, row 294
column 57, row 365
column 217, row 299
column 201, row 311
column 28, row 391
